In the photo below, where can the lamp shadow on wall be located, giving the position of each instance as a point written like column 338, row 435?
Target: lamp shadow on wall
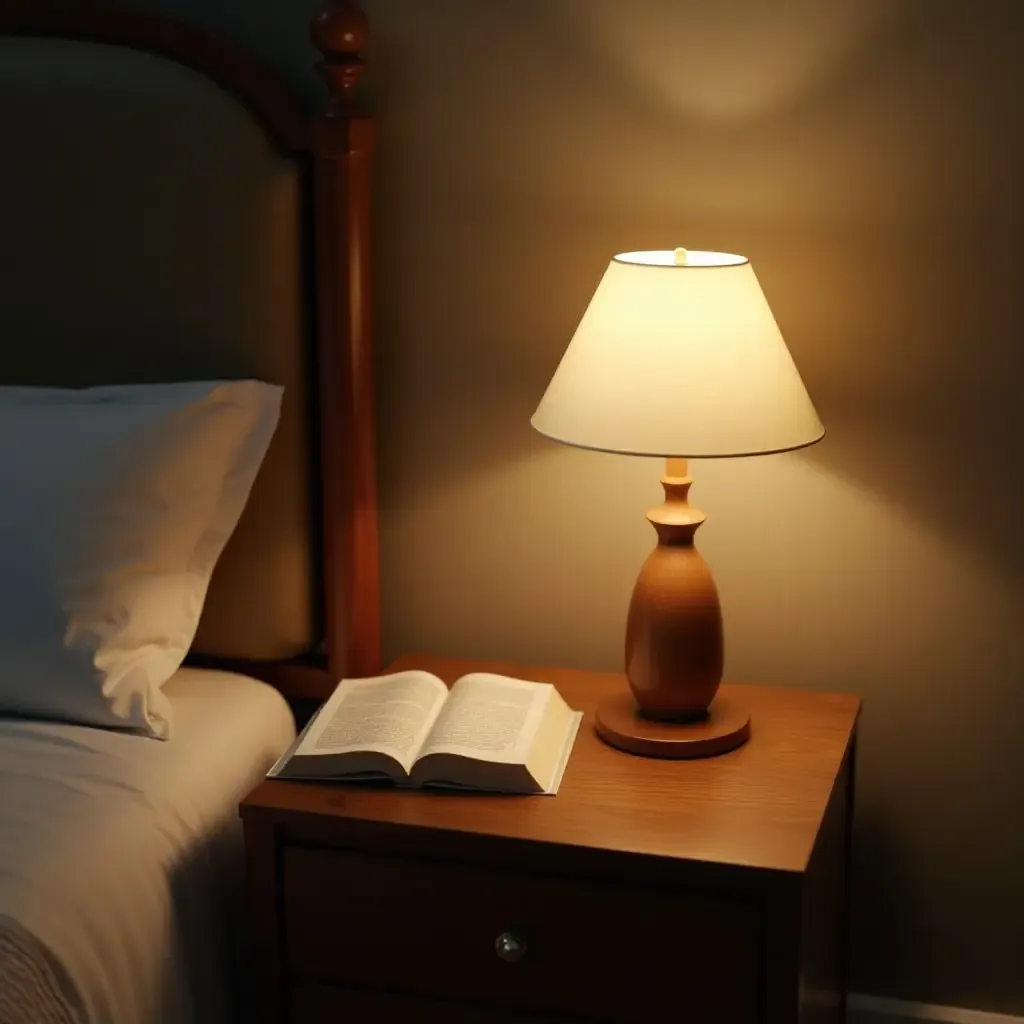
column 964, row 488
column 911, row 351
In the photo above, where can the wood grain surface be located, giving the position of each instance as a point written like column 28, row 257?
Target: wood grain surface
column 760, row 806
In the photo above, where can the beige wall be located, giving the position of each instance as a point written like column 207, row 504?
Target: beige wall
column 866, row 155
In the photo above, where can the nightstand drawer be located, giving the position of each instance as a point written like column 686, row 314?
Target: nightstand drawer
column 511, row 939
column 328, row 1004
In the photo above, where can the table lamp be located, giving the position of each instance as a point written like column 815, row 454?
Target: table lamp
column 678, row 356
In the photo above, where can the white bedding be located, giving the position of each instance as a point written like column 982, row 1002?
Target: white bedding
column 121, row 855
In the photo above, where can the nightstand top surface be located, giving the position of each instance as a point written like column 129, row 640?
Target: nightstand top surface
column 760, row 806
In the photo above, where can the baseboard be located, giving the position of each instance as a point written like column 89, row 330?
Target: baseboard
column 925, row 1012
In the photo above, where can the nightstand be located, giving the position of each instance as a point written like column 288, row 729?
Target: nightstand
column 710, row 892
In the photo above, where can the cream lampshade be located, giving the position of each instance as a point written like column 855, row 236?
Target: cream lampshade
column 678, row 356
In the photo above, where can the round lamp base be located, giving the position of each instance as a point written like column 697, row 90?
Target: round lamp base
column 620, row 724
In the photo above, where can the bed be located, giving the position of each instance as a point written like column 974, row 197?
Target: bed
column 169, row 213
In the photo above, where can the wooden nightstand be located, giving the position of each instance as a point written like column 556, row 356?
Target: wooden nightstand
column 709, row 892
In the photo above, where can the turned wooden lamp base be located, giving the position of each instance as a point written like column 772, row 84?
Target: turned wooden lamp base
column 674, row 646
column 725, row 727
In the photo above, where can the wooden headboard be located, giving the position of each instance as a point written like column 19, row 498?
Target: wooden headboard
column 169, row 212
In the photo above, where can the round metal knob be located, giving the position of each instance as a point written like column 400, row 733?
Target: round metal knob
column 510, row 947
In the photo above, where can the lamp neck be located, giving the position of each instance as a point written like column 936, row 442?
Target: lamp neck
column 676, row 521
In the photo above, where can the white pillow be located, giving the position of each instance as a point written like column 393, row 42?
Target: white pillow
column 115, row 504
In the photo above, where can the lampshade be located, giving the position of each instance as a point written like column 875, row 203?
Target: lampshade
column 678, row 355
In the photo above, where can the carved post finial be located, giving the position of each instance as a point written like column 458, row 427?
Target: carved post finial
column 339, row 31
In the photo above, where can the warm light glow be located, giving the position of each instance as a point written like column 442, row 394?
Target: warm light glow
column 694, row 258
column 678, row 360
column 705, row 62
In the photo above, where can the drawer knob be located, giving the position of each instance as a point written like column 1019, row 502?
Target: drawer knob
column 510, row 947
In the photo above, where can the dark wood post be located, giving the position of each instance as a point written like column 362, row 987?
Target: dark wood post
column 342, row 146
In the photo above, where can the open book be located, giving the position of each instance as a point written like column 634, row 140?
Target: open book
column 488, row 732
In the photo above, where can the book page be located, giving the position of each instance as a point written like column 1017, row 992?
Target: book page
column 489, row 718
column 389, row 714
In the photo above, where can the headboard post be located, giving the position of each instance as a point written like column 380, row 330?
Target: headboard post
column 339, row 32
column 342, row 142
